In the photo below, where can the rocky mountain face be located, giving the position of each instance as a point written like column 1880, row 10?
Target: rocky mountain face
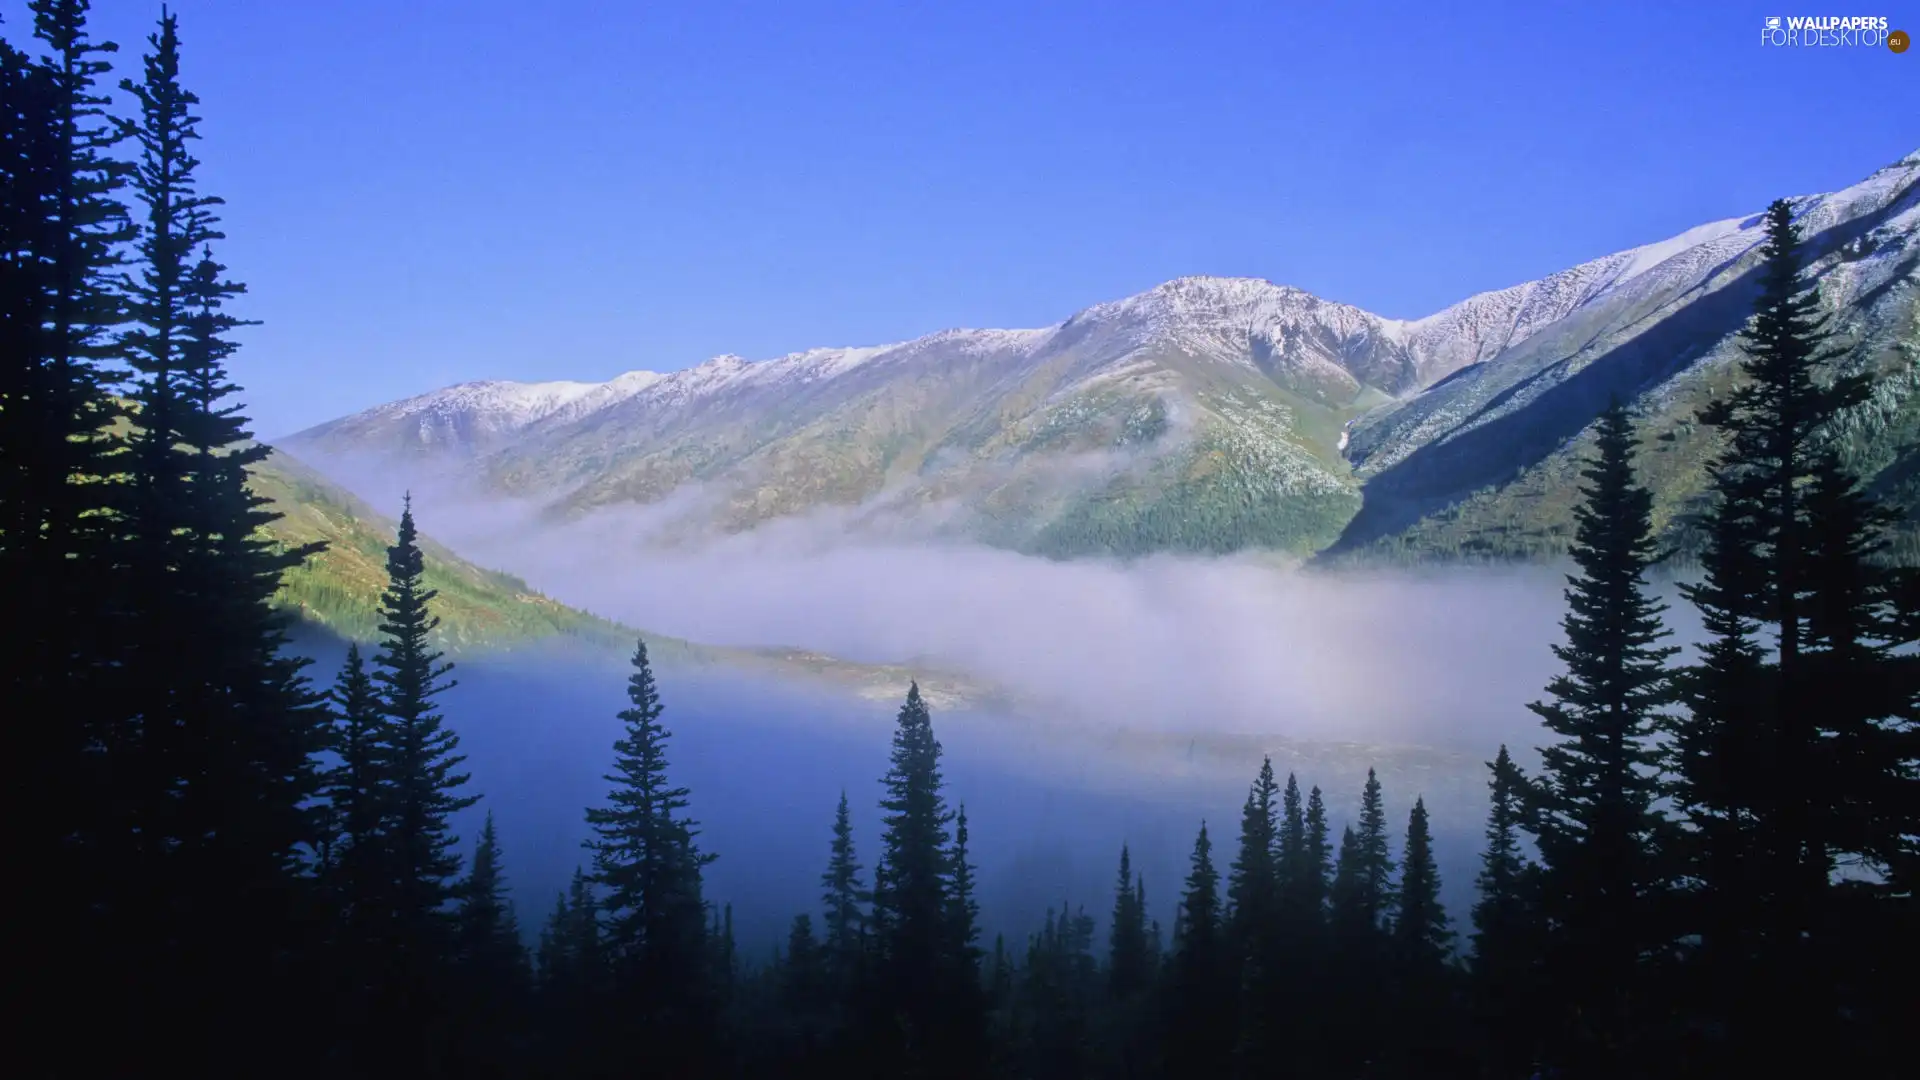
column 1207, row 414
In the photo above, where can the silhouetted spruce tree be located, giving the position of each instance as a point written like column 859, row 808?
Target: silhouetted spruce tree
column 357, row 870
column 912, row 924
column 222, row 782
column 1290, row 870
column 1422, row 939
column 573, row 985
column 421, row 758
column 1862, row 655
column 1317, row 881
column 1363, row 878
column 1199, row 1036
column 844, row 941
column 1362, row 897
column 1600, row 837
column 1306, row 865
column 1130, row 972
column 158, row 677
column 805, row 992
column 1504, row 927
column 966, row 1013
column 495, row 977
column 1253, row 886
column 844, row 897
column 1788, row 715
column 1426, row 1029
column 61, row 231
column 645, row 858
column 1127, row 972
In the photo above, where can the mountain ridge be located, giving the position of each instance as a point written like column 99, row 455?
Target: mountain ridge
column 1204, row 414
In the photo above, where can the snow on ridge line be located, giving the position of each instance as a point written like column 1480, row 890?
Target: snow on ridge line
column 1496, row 318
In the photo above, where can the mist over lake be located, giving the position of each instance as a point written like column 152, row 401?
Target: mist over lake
column 1048, row 806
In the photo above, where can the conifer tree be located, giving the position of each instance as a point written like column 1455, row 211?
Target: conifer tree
column 1291, row 872
column 1201, row 1021
column 221, row 778
column 911, row 913
column 491, row 951
column 1254, row 907
column 646, row 859
column 1316, row 882
column 1504, row 933
column 1361, row 898
column 1252, row 879
column 1502, row 910
column 963, row 908
column 844, row 897
column 1421, row 936
column 1599, row 835
column 493, row 966
column 420, row 757
column 1363, row 882
column 966, row 1010
column 1127, row 970
column 1788, row 715
column 1425, row 1038
column 573, row 978
column 357, row 870
column 62, row 227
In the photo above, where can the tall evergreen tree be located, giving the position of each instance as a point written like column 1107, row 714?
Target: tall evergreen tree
column 1504, row 926
column 966, row 1011
column 224, row 768
column 491, row 951
column 646, row 859
column 495, row 976
column 844, row 898
column 1361, row 899
column 1599, row 835
column 1790, row 709
column 1131, row 967
column 1253, row 888
column 357, row 869
column 1252, row 880
column 1503, row 907
column 1316, row 881
column 573, row 984
column 911, row 917
column 1200, row 1021
column 420, row 756
column 1363, row 891
column 1127, row 970
column 1421, row 937
column 1291, row 873
column 62, row 228
column 1425, row 1037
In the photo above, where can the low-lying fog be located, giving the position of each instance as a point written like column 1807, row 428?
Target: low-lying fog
column 1206, row 663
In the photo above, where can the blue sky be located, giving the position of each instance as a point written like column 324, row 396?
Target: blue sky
column 431, row 191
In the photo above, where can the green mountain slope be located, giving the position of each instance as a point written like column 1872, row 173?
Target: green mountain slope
column 485, row 611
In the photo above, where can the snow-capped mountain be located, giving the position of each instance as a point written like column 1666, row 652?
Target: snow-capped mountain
column 1205, row 413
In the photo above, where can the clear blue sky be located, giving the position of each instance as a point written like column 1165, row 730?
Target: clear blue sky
column 426, row 191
